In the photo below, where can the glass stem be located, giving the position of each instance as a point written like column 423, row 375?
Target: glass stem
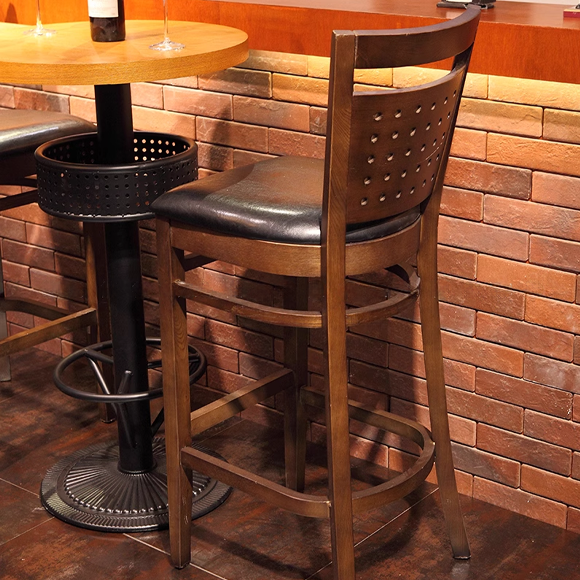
column 38, row 21
column 165, row 20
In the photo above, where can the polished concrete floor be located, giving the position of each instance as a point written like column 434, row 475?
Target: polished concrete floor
column 244, row 539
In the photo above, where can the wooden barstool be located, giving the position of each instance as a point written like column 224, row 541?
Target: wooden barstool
column 373, row 203
column 21, row 132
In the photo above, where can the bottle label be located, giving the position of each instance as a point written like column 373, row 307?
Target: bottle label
column 103, row 9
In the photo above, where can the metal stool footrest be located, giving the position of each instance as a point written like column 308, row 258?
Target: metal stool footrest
column 94, row 354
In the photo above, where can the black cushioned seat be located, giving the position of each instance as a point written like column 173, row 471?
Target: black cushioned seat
column 241, row 202
column 21, row 132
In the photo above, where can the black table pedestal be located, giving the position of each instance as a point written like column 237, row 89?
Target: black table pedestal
column 119, row 487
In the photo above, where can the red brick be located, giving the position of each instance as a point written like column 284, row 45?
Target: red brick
column 400, row 461
column 520, row 502
column 406, row 360
column 554, row 253
column 30, row 255
column 215, row 157
column 464, row 483
column 577, row 350
column 369, row 451
column 163, row 122
column 204, row 103
column 29, row 213
column 469, row 143
column 390, row 382
column 232, row 134
column 238, row 81
column 37, row 100
column 554, row 189
column 527, row 278
column 150, row 289
column 462, row 203
column 16, row 273
column 533, row 154
column 310, row 91
column 13, row 229
column 573, row 524
column 457, row 262
column 235, row 337
column 542, row 219
column 277, row 62
column 65, row 225
column 576, row 465
column 362, row 348
column 86, row 91
column 499, row 117
column 482, row 297
column 256, row 368
column 482, row 409
column 225, row 381
column 70, row 266
column 84, row 108
column 395, row 331
column 524, row 449
column 460, row 375
column 550, row 485
column 552, row 373
column 524, row 393
column 367, row 432
column 560, row 432
column 23, row 293
column 7, row 96
column 53, row 239
column 221, row 357
column 524, row 336
column 147, row 95
column 20, row 319
column 457, row 319
column 58, row 285
column 486, row 465
column 483, row 354
column 561, row 126
column 291, row 143
column 461, row 430
column 553, row 314
column 243, row 288
column 507, row 181
column 318, row 120
column 272, row 113
column 411, row 362
column 483, row 238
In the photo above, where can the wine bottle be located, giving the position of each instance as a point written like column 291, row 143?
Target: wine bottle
column 107, row 20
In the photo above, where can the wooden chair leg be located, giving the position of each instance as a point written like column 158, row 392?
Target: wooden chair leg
column 176, row 397
column 338, row 438
column 4, row 361
column 431, row 330
column 296, row 358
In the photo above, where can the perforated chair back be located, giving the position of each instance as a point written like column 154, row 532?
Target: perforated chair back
column 387, row 149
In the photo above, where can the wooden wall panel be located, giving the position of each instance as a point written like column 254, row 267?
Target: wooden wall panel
column 515, row 39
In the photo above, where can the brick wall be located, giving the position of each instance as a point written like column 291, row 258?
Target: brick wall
column 509, row 264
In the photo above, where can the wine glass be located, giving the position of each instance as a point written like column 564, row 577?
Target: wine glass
column 166, row 44
column 39, row 29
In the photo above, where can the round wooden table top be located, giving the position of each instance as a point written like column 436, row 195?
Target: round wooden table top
column 70, row 57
